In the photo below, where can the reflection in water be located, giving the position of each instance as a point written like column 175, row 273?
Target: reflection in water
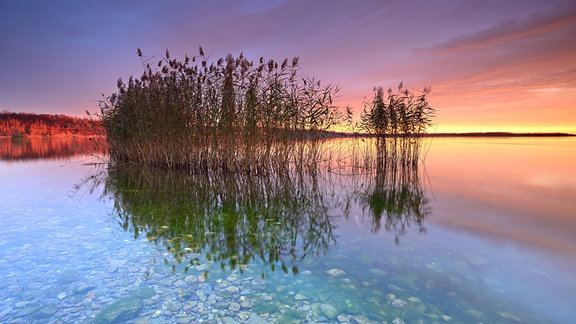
column 507, row 189
column 61, row 261
column 229, row 218
column 393, row 190
column 53, row 147
column 277, row 218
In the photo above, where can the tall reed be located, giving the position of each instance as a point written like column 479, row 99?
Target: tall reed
column 230, row 113
column 400, row 113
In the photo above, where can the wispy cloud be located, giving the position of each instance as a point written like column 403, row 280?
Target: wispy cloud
column 535, row 25
column 59, row 56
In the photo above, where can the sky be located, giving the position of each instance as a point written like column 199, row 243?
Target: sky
column 492, row 65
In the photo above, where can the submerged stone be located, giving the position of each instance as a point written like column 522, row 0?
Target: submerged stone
column 119, row 311
column 329, row 311
column 446, row 318
column 28, row 310
column 256, row 320
column 179, row 283
column 299, row 297
column 414, row 299
column 228, row 320
column 47, row 311
column 144, row 292
column 68, row 276
column 35, row 312
column 510, row 316
column 82, row 289
column 398, row 320
column 292, row 316
column 476, row 314
column 263, row 308
column 202, row 267
column 335, row 272
column 232, row 289
column 234, row 307
column 394, row 288
column 361, row 319
column 398, row 303
column 243, row 315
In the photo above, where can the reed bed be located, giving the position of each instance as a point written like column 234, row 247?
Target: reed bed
column 397, row 113
column 251, row 142
column 231, row 114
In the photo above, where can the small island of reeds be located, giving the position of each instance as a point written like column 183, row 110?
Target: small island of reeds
column 233, row 114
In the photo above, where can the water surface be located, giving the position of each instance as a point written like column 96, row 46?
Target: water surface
column 483, row 231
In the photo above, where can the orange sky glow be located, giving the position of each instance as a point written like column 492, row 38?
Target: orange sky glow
column 493, row 66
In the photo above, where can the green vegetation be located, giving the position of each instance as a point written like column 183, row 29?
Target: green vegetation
column 392, row 191
column 230, row 114
column 400, row 113
column 230, row 219
column 276, row 220
column 237, row 115
column 248, row 162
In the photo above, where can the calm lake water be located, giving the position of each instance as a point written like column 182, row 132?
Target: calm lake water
column 484, row 231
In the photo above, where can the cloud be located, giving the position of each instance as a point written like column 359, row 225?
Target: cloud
column 510, row 60
column 535, row 25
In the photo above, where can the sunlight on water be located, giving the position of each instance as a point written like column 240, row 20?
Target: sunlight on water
column 511, row 188
column 482, row 232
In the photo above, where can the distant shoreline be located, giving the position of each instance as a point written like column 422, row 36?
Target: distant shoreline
column 342, row 135
column 499, row 134
column 471, row 134
column 63, row 135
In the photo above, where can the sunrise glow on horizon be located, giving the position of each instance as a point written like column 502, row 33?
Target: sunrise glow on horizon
column 493, row 66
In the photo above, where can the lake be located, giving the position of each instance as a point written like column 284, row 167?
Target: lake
column 482, row 231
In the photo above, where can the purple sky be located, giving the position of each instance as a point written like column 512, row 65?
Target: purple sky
column 492, row 64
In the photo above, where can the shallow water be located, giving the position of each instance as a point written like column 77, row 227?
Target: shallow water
column 490, row 236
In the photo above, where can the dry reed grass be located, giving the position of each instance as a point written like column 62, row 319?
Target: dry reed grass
column 231, row 114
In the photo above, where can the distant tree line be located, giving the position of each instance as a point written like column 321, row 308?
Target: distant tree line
column 29, row 124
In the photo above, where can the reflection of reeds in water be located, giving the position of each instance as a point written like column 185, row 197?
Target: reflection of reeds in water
column 277, row 219
column 242, row 146
column 276, row 214
column 392, row 191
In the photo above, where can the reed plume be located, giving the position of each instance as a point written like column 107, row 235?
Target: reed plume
column 231, row 114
